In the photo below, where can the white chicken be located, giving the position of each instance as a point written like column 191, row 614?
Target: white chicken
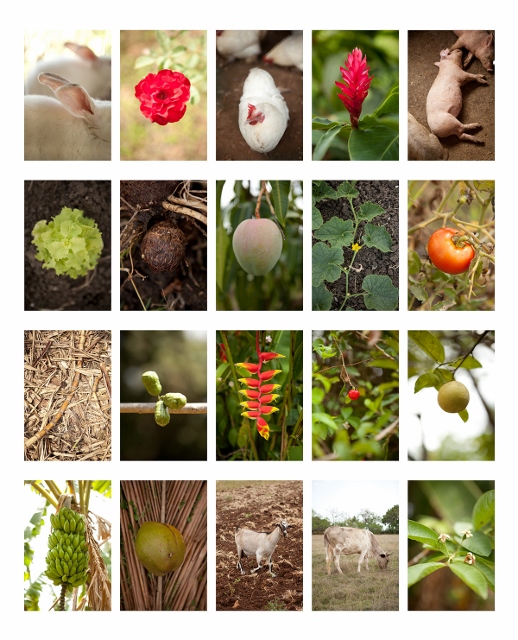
column 239, row 44
column 263, row 112
column 287, row 53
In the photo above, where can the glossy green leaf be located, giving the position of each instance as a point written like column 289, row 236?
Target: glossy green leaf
column 428, row 343
column 484, row 510
column 419, row 571
column 421, row 533
column 325, row 141
column 375, row 143
column 479, row 544
column 280, row 199
column 472, row 577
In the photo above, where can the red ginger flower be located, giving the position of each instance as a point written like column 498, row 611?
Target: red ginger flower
column 355, row 86
column 164, row 96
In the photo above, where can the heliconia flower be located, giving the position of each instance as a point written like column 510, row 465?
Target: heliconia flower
column 271, row 397
column 251, row 382
column 250, row 394
column 266, row 411
column 263, row 428
column 249, row 366
column 268, row 388
column 253, row 415
column 251, row 404
column 355, row 85
column 268, row 375
column 270, row 355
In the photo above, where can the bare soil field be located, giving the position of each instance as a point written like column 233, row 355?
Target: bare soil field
column 370, row 590
column 259, row 505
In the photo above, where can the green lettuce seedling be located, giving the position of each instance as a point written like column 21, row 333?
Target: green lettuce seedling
column 70, row 243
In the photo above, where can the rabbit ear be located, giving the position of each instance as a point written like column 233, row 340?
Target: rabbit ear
column 72, row 96
column 81, row 50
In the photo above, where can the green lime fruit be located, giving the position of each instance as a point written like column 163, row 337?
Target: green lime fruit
column 453, row 397
column 160, row 547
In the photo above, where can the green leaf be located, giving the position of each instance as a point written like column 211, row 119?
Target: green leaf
column 381, row 294
column 316, row 216
column 419, row 571
column 325, row 141
column 346, row 190
column 479, row 544
column 324, row 418
column 369, row 211
column 324, row 350
column 428, row 343
column 144, row 61
column 421, row 533
column 384, row 364
column 321, row 123
column 317, row 395
column 425, row 381
column 323, row 190
column 470, row 363
column 280, row 195
column 484, row 510
column 377, row 237
column 375, row 143
column 472, row 577
column 489, row 573
column 338, row 232
column 390, row 104
column 414, row 263
column 418, row 292
column 322, row 298
column 295, row 453
column 325, row 263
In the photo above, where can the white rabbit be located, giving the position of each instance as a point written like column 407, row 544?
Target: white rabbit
column 89, row 70
column 73, row 127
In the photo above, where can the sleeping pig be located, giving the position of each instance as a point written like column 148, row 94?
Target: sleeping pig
column 444, row 101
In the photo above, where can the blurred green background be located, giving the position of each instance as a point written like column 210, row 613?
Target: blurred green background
column 180, row 360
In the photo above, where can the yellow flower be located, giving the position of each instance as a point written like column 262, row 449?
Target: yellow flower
column 356, row 247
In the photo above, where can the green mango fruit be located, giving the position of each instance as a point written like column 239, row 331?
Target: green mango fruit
column 159, row 547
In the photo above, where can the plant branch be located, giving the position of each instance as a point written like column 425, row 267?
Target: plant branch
column 145, row 407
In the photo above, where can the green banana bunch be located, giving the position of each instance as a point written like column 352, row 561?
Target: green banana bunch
column 67, row 559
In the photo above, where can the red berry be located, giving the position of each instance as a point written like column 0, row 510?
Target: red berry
column 354, row 394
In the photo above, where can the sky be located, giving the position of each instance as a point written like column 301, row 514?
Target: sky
column 351, row 497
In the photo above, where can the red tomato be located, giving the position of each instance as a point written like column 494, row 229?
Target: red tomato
column 354, row 394
column 445, row 255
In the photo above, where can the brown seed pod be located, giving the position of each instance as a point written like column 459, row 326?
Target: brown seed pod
column 163, row 247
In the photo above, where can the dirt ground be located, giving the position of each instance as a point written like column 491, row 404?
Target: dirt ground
column 184, row 288
column 230, row 76
column 45, row 290
column 258, row 506
column 373, row 261
column 478, row 100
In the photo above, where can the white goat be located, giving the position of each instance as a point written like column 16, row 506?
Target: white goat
column 259, row 544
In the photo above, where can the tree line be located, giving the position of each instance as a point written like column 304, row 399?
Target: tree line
column 389, row 523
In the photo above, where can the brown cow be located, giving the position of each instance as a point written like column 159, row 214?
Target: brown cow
column 347, row 540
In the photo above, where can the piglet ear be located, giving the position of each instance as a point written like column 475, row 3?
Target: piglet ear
column 72, row 96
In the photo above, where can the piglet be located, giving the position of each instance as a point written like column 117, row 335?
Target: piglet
column 444, row 101
column 479, row 44
column 423, row 145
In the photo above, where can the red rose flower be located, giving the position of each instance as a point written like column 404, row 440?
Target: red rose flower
column 355, row 85
column 163, row 96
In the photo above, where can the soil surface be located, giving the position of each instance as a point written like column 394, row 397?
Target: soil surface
column 385, row 193
column 259, row 506
column 183, row 288
column 230, row 77
column 45, row 290
column 424, row 48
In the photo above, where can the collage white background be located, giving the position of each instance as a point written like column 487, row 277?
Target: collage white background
column 267, row 15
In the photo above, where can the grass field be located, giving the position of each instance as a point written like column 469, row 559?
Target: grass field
column 371, row 590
